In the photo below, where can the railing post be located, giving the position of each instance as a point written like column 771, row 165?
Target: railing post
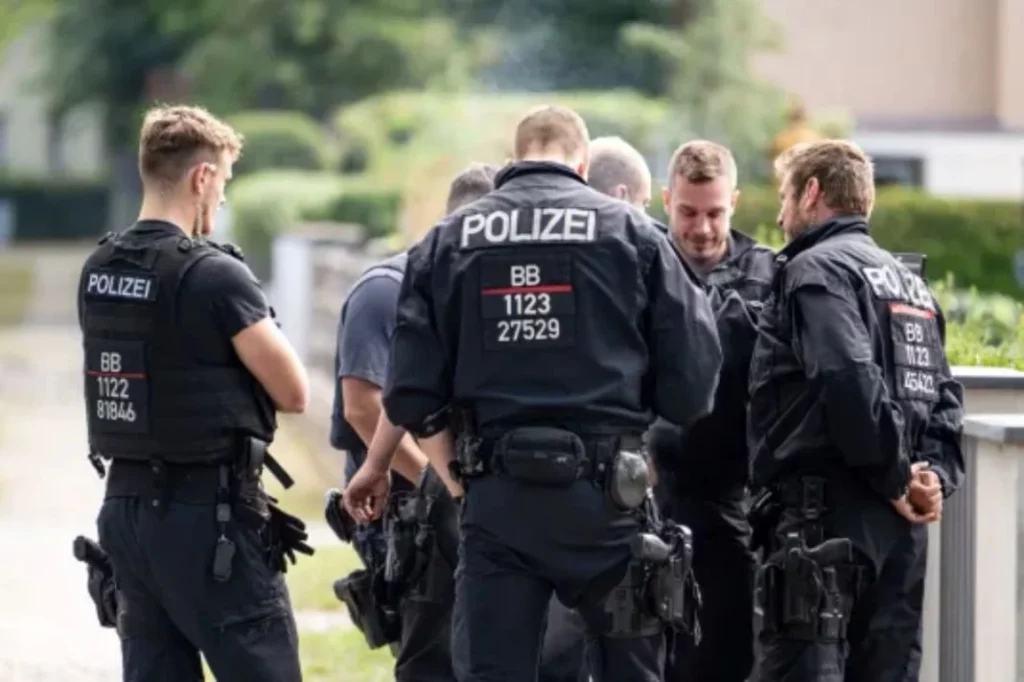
column 980, row 633
column 988, row 390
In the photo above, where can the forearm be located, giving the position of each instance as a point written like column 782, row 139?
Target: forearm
column 440, row 450
column 392, row 448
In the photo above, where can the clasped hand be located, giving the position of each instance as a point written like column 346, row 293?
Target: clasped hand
column 923, row 501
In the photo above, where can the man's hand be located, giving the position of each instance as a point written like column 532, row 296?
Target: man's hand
column 925, row 493
column 366, row 495
column 921, row 490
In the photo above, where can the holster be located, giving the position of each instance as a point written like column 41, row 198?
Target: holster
column 798, row 589
column 101, row 586
column 379, row 624
column 628, row 605
column 672, row 591
column 410, row 539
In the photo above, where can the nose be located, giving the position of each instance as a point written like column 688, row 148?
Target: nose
column 702, row 227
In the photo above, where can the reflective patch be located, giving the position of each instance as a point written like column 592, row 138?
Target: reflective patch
column 528, row 302
column 120, row 285
column 528, row 226
column 917, row 352
column 116, row 386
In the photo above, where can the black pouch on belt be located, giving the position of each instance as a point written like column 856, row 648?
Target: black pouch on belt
column 541, row 455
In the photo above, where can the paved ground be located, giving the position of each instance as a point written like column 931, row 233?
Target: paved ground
column 49, row 494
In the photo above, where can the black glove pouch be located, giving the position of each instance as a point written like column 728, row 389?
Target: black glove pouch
column 541, row 455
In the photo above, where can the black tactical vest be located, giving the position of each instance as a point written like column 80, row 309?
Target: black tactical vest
column 147, row 396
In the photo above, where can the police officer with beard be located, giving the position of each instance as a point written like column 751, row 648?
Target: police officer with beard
column 855, row 426
column 184, row 371
column 703, row 470
column 553, row 320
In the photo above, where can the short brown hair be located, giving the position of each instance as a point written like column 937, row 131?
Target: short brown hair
column 844, row 172
column 175, row 138
column 471, row 184
column 700, row 161
column 552, row 126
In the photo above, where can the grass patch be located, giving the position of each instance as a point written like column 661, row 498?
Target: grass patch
column 340, row 656
column 17, row 280
column 311, row 579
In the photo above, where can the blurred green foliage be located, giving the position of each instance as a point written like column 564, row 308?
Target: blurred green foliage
column 282, row 140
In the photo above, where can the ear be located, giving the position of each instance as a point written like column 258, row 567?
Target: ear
column 581, row 169
column 735, row 199
column 812, row 192
column 197, row 178
column 666, row 200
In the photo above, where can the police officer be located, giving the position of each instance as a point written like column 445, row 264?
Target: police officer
column 703, row 470
column 423, row 651
column 553, row 320
column 855, row 428
column 426, row 611
column 184, row 370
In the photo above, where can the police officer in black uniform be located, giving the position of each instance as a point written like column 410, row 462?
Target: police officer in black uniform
column 184, row 371
column 429, row 520
column 554, row 320
column 703, row 470
column 855, row 426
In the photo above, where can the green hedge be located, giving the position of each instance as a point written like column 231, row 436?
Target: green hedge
column 267, row 203
column 48, row 209
column 282, row 140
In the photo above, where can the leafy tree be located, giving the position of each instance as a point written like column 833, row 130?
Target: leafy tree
column 709, row 78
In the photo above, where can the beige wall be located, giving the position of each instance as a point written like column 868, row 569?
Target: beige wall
column 23, row 108
column 915, row 60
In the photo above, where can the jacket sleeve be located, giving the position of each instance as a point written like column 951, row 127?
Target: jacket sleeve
column 685, row 354
column 419, row 382
column 940, row 443
column 835, row 349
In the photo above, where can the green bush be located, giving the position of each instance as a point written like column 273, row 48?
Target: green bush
column 369, row 203
column 47, row 209
column 267, row 203
column 282, row 140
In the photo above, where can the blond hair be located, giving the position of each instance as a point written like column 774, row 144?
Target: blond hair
column 550, row 126
column 844, row 173
column 700, row 161
column 175, row 138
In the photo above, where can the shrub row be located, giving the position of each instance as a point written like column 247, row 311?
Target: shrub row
column 42, row 209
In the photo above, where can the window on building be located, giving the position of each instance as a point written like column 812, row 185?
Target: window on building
column 898, row 170
column 55, row 144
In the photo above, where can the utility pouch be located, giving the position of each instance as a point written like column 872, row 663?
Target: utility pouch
column 628, row 608
column 400, row 530
column 541, row 455
column 379, row 625
column 627, row 480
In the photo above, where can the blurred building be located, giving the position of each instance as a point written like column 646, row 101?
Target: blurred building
column 934, row 86
column 32, row 142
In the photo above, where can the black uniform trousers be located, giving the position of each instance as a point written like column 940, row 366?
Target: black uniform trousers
column 424, row 652
column 170, row 608
column 883, row 591
column 522, row 543
column 724, row 568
